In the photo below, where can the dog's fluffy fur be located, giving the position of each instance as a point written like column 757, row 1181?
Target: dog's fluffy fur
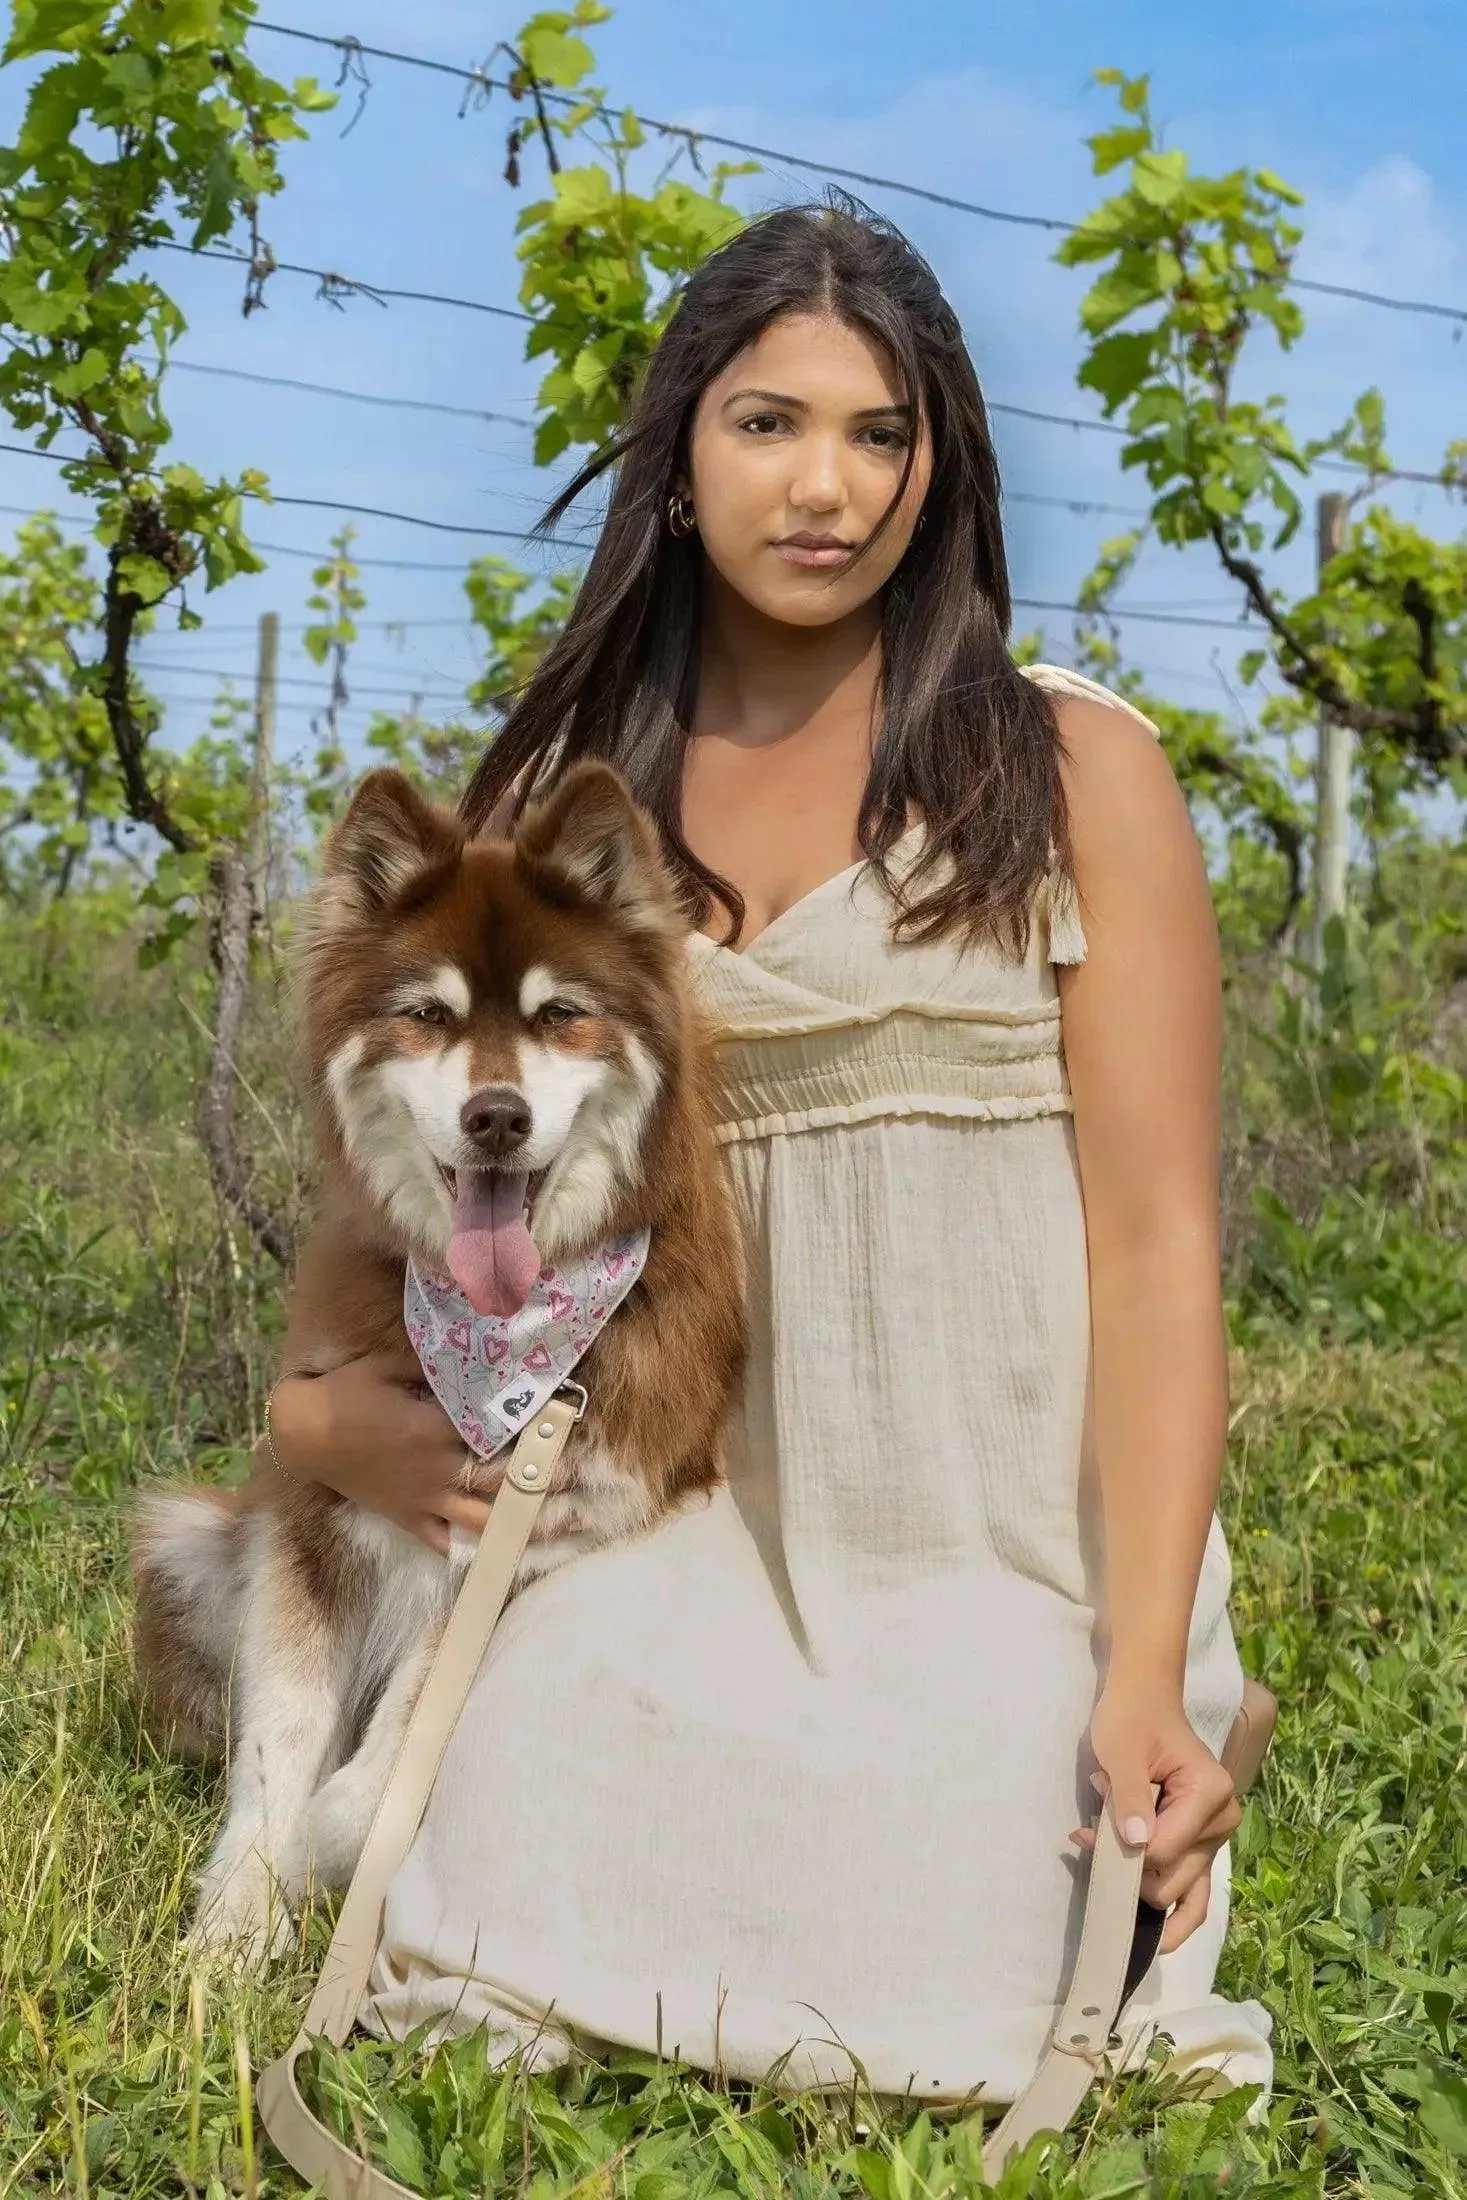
column 285, row 1620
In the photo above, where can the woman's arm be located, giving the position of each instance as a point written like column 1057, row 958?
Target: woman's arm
column 371, row 1431
column 1141, row 1020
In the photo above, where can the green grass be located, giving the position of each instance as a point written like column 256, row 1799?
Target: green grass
column 135, row 1332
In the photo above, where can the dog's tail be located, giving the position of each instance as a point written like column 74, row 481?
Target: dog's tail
column 186, row 1567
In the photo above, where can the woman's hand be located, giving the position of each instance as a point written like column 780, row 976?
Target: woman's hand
column 372, row 1431
column 1144, row 1740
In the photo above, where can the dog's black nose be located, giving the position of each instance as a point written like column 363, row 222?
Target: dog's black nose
column 497, row 1118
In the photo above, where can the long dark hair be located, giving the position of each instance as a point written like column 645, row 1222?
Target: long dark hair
column 962, row 736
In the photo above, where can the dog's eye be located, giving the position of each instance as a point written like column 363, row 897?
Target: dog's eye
column 428, row 1012
column 551, row 1013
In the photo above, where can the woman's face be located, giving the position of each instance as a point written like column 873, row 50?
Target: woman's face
column 796, row 451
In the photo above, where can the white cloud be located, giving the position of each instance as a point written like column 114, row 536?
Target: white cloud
column 1387, row 231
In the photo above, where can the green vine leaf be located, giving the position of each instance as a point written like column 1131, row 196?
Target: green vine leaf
column 1185, row 270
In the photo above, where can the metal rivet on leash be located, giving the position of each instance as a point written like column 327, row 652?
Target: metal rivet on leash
column 530, row 1471
column 546, row 1428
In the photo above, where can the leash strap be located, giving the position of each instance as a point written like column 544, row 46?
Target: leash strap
column 1073, row 2054
column 1118, row 1934
column 301, row 2137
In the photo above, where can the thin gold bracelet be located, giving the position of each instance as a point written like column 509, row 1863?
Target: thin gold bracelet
column 270, row 1438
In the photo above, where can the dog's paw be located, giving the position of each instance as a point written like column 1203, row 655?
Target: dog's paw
column 241, row 1916
column 338, row 1822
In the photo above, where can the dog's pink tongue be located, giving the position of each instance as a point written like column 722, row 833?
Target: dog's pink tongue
column 491, row 1254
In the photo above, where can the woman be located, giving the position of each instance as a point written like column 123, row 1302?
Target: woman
column 798, row 1771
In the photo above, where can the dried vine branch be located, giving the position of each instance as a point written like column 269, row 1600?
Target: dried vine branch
column 1282, row 831
column 129, row 737
column 234, row 925
column 1309, row 676
column 525, row 80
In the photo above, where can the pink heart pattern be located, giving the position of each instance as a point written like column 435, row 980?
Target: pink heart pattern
column 489, row 1373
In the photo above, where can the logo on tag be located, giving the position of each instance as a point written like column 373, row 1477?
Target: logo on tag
column 518, row 1399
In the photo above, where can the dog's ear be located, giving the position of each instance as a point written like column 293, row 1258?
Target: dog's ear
column 388, row 837
column 589, row 836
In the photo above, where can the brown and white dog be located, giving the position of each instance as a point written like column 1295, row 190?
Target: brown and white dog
column 486, row 1022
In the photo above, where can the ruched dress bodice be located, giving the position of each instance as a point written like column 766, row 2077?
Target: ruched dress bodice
column 815, row 1031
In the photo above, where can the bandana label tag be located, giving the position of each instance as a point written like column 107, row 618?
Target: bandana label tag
column 519, row 1399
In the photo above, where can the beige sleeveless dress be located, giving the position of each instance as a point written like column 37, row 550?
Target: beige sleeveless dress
column 788, row 1782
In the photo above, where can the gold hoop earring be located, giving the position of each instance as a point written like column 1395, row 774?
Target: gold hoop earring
column 682, row 520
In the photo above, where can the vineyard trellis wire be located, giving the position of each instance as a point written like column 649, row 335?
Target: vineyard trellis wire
column 479, row 81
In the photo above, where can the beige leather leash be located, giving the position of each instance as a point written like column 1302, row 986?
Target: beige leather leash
column 1105, row 1974
column 1073, row 2057
column 301, row 2137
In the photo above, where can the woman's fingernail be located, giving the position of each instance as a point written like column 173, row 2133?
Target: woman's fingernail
column 1097, row 1782
column 1135, row 1829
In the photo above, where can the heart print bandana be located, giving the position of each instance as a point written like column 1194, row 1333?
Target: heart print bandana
column 491, row 1372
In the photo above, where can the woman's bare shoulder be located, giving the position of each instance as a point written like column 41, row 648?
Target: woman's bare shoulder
column 1135, row 852
column 1126, row 809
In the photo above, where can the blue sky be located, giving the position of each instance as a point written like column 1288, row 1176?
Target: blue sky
column 1357, row 102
